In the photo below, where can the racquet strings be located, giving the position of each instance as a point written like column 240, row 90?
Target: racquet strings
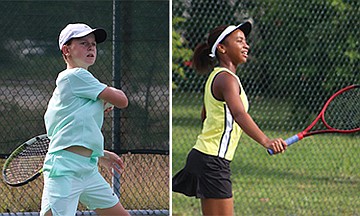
column 343, row 112
column 28, row 162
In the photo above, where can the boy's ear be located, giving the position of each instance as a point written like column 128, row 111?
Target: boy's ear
column 65, row 50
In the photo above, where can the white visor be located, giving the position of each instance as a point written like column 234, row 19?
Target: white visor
column 244, row 27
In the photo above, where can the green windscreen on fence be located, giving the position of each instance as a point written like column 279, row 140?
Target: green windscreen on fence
column 134, row 58
column 301, row 52
column 30, row 61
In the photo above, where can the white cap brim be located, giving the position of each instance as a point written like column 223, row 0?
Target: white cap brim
column 80, row 30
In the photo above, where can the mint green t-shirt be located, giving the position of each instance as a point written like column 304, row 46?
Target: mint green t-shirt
column 75, row 114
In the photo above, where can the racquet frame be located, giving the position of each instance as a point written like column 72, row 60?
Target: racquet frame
column 17, row 152
column 321, row 115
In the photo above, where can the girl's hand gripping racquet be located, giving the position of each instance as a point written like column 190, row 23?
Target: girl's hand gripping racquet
column 25, row 162
column 340, row 114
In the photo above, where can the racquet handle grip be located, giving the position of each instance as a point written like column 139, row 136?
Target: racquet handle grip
column 289, row 141
column 292, row 140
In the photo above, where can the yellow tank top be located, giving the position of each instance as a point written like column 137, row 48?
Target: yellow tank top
column 220, row 133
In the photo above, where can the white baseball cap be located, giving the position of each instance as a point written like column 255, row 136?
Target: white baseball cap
column 78, row 30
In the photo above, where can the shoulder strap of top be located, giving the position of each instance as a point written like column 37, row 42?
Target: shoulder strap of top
column 221, row 69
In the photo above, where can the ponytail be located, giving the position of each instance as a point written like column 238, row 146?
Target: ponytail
column 202, row 62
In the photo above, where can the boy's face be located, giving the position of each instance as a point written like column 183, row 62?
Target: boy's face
column 81, row 52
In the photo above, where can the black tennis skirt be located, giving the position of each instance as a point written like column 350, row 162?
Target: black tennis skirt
column 204, row 176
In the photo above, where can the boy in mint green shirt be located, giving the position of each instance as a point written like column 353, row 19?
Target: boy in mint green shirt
column 73, row 121
column 75, row 109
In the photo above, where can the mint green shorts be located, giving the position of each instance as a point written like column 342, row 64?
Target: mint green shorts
column 70, row 178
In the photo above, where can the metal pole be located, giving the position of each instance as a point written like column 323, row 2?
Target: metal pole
column 116, row 83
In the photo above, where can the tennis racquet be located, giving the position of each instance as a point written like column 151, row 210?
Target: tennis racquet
column 340, row 114
column 25, row 163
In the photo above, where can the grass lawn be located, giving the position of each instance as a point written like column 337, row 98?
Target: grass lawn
column 319, row 175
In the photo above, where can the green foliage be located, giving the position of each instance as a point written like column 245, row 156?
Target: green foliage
column 180, row 54
column 314, row 43
column 296, row 45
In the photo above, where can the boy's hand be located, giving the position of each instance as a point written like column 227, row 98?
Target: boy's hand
column 108, row 107
column 111, row 161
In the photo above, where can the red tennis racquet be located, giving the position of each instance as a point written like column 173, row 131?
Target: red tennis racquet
column 340, row 114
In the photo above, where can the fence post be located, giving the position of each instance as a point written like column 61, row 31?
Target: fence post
column 117, row 84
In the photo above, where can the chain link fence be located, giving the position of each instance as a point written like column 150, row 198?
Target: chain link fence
column 135, row 58
column 301, row 52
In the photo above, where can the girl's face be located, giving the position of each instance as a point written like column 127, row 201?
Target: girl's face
column 236, row 47
column 81, row 52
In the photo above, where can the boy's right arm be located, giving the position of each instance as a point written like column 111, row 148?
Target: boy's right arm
column 114, row 96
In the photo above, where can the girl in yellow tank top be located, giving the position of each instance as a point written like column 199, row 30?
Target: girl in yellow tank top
column 220, row 134
column 206, row 174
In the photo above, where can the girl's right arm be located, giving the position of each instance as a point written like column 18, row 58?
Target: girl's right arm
column 114, row 96
column 226, row 88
